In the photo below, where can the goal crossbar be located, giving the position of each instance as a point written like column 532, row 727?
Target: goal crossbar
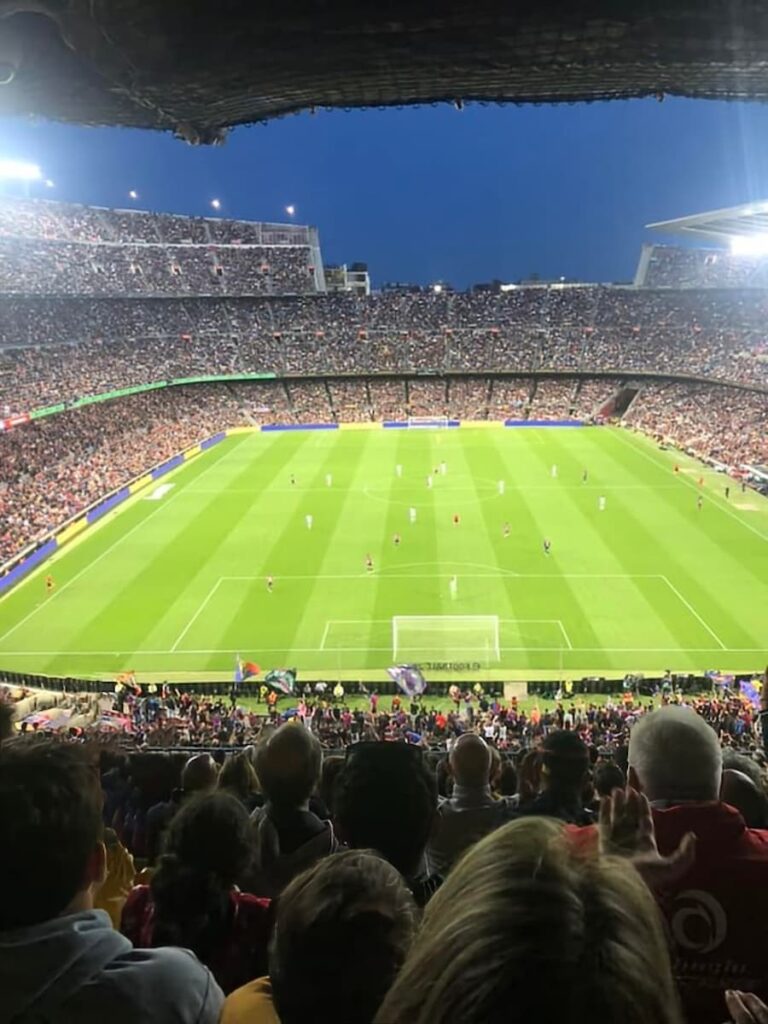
column 442, row 637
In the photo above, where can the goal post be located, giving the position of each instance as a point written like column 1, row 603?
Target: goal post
column 427, row 422
column 446, row 638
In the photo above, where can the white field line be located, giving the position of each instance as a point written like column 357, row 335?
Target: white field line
column 501, row 574
column 108, row 551
column 325, row 634
column 695, row 614
column 565, row 635
column 317, row 650
column 715, row 499
column 201, row 608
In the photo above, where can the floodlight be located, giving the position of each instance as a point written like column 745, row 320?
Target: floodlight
column 133, row 194
column 749, row 245
column 18, row 170
column 216, row 204
column 290, row 209
column 437, row 288
column 49, row 183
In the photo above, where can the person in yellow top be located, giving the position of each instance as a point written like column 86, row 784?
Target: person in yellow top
column 119, row 881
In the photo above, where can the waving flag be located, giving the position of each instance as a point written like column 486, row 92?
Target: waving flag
column 245, row 669
column 281, row 679
column 409, row 679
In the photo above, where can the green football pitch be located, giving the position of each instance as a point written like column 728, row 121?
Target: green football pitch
column 173, row 585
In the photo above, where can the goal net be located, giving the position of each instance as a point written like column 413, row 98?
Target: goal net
column 427, row 421
column 446, row 638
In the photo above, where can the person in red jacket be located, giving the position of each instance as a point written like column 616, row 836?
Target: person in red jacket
column 716, row 912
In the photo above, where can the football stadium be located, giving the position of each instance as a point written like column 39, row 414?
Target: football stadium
column 515, row 484
column 383, row 642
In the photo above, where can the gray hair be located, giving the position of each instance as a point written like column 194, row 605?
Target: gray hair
column 676, row 755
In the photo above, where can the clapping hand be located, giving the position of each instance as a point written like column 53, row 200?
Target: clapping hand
column 626, row 830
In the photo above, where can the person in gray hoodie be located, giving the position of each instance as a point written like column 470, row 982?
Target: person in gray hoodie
column 60, row 960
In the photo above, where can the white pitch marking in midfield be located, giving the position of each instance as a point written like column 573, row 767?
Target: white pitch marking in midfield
column 199, row 611
column 715, row 499
column 499, row 574
column 108, row 551
column 316, row 650
column 693, row 612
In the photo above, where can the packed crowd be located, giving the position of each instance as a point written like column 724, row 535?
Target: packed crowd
column 53, row 468
column 55, row 349
column 49, row 249
column 673, row 267
column 496, row 877
column 725, row 426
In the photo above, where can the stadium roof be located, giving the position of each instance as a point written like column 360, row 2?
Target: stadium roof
column 195, row 67
column 748, row 222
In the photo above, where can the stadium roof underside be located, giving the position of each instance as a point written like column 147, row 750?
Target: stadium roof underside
column 195, row 67
column 749, row 221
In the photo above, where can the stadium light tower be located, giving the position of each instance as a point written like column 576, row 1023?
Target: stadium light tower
column 216, row 204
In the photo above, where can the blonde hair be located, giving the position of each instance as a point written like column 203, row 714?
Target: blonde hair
column 527, row 928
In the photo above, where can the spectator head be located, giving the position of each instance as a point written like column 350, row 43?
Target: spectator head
column 564, row 762
column 342, row 933
column 508, row 779
column 738, row 790
column 529, row 776
column 609, row 776
column 386, row 799
column 238, row 777
column 331, row 768
column 51, row 854
column 200, row 774
column 288, row 765
column 470, row 761
column 527, row 928
column 675, row 755
column 207, row 850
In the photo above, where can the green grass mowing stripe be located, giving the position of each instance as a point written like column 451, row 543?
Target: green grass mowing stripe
column 534, row 521
column 666, row 623
column 25, row 617
column 676, row 535
column 288, row 612
column 394, row 594
column 157, row 602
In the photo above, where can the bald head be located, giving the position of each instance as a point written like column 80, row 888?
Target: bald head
column 470, row 761
column 675, row 755
column 288, row 765
column 199, row 774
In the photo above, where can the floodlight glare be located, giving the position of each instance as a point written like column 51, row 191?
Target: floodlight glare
column 290, row 210
column 216, row 204
column 18, row 170
column 749, row 245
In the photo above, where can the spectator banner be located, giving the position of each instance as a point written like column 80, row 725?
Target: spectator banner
column 166, row 467
column 359, row 426
column 267, row 427
column 209, row 442
column 14, row 421
column 190, row 453
column 27, row 564
column 543, row 423
column 71, row 531
column 107, row 505
column 138, row 484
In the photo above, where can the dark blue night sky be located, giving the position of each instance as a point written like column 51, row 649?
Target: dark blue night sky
column 434, row 194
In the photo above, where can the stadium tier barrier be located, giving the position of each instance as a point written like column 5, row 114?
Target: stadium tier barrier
column 606, row 686
column 17, row 568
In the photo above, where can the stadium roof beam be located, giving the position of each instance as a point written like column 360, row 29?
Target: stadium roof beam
column 749, row 221
column 193, row 69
